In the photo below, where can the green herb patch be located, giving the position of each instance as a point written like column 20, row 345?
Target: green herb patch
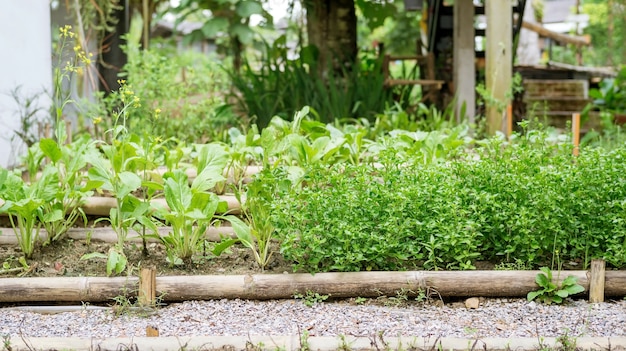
column 524, row 201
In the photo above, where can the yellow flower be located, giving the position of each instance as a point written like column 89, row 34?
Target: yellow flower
column 157, row 113
column 97, row 120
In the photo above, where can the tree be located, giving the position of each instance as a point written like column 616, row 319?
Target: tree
column 608, row 31
column 331, row 29
column 230, row 17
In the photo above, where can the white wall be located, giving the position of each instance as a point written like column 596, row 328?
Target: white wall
column 25, row 60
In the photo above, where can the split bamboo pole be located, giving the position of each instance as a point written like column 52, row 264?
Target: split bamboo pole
column 280, row 286
column 108, row 235
column 101, row 206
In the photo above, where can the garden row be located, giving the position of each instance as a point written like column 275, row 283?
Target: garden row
column 334, row 198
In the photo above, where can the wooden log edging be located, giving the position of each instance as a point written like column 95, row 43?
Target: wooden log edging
column 284, row 286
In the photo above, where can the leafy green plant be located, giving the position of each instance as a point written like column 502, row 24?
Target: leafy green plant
column 257, row 209
column 611, row 95
column 192, row 208
column 24, row 202
column 116, row 172
column 553, row 291
column 68, row 162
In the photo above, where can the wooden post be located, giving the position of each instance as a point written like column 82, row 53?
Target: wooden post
column 596, row 281
column 386, row 59
column 499, row 60
column 509, row 121
column 576, row 133
column 147, row 286
column 464, row 57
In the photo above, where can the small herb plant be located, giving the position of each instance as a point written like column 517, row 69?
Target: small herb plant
column 552, row 291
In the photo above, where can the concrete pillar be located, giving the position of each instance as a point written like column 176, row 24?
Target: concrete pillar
column 26, row 63
column 464, row 57
column 499, row 64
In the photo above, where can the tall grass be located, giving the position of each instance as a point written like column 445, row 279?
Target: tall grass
column 275, row 85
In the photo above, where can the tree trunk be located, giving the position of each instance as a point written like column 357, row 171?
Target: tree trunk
column 331, row 27
column 112, row 57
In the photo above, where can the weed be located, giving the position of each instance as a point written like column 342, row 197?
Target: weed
column 568, row 343
column 304, row 340
column 344, row 345
column 518, row 265
column 6, row 343
column 311, row 298
column 551, row 291
column 360, row 300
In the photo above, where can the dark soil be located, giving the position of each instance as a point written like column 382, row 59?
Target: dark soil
column 63, row 258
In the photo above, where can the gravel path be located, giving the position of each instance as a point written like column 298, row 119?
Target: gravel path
column 494, row 318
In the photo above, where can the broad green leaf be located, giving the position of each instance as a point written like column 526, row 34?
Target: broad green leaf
column 129, row 182
column 223, row 245
column 248, row 8
column 51, row 149
column 569, row 281
column 243, row 32
column 222, row 207
column 116, row 262
column 542, row 280
column 99, row 173
column 207, row 180
column 47, row 186
column 547, row 272
column 242, row 231
column 177, row 192
column 562, row 293
column 213, row 26
column 151, row 185
column 206, row 203
column 53, row 216
column 533, row 294
column 574, row 289
column 196, row 214
column 213, row 157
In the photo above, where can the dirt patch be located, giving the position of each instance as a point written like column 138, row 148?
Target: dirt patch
column 63, row 258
